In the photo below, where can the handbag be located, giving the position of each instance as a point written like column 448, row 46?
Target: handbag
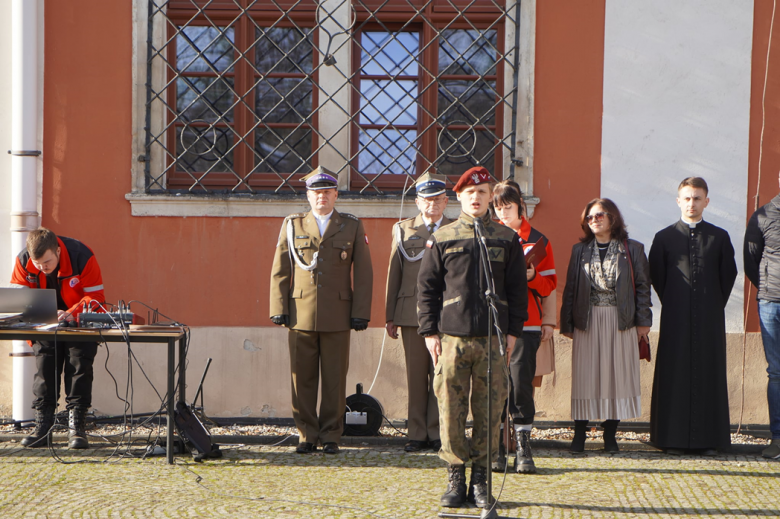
column 644, row 345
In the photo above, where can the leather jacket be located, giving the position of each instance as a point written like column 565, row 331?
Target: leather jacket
column 632, row 310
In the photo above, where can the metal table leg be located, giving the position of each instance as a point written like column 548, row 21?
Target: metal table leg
column 171, row 371
column 182, row 369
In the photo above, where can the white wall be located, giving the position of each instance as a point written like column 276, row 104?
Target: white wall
column 677, row 104
column 5, row 142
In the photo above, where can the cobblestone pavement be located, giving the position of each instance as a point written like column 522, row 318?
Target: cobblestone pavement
column 375, row 481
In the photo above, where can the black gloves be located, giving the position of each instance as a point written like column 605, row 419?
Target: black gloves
column 359, row 324
column 281, row 320
column 356, row 324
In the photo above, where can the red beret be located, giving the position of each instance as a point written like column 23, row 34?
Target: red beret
column 475, row 176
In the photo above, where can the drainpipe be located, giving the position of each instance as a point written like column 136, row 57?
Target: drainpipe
column 24, row 171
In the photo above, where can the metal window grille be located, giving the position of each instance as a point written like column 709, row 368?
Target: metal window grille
column 247, row 96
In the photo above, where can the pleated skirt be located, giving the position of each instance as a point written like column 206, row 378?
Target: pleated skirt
column 605, row 369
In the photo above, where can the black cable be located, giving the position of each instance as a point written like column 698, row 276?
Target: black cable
column 127, row 421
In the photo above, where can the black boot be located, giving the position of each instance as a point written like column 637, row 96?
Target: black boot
column 478, row 491
column 500, row 464
column 44, row 421
column 578, row 443
column 524, row 458
column 455, row 496
column 77, row 436
column 610, row 428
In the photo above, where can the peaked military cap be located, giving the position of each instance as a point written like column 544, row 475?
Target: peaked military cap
column 320, row 178
column 428, row 185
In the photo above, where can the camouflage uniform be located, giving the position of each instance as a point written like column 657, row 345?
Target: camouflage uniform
column 463, row 363
column 451, row 302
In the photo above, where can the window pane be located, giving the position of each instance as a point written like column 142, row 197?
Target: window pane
column 385, row 101
column 198, row 49
column 283, row 150
column 389, row 53
column 204, row 98
column 294, row 108
column 467, row 52
column 389, row 151
column 467, row 101
column 284, row 50
column 198, row 148
column 460, row 152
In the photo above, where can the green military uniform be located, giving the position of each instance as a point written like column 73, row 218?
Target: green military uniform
column 320, row 303
column 401, row 308
column 451, row 302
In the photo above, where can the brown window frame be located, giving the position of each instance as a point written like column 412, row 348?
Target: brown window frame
column 395, row 13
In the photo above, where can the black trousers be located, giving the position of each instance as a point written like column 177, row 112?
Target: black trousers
column 75, row 359
column 522, row 368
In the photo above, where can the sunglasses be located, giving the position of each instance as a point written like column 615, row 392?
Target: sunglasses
column 596, row 216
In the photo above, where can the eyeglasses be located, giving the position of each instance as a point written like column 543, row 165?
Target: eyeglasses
column 432, row 200
column 596, row 216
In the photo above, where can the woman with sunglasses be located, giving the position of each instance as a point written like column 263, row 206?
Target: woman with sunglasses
column 605, row 309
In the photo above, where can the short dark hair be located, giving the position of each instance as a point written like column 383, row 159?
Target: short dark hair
column 617, row 229
column 508, row 192
column 694, row 182
column 40, row 241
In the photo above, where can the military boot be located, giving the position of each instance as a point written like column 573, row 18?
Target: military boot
column 610, row 442
column 44, row 421
column 478, row 491
column 455, row 495
column 524, row 458
column 578, row 443
column 77, row 436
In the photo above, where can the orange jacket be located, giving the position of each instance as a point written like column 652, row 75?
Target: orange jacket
column 544, row 282
column 79, row 275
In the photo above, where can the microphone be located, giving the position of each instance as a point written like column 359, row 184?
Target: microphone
column 480, row 228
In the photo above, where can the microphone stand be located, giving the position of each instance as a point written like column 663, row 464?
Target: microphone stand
column 490, row 295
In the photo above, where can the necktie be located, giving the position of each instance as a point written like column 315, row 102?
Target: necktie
column 431, row 227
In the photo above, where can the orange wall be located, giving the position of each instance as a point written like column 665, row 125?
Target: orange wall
column 567, row 133
column 215, row 271
column 770, row 161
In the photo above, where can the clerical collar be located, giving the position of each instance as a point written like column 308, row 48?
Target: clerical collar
column 427, row 222
column 692, row 225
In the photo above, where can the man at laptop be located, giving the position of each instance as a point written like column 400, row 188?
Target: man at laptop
column 69, row 267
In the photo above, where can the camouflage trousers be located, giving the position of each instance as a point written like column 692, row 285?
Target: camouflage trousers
column 462, row 369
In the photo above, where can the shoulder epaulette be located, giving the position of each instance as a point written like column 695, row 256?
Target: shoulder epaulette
column 296, row 215
column 399, row 222
column 352, row 216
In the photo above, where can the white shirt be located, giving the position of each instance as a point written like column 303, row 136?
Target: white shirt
column 322, row 221
column 427, row 222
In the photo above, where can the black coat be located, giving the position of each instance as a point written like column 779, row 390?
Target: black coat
column 633, row 298
column 693, row 272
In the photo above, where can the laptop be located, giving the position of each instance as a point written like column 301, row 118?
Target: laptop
column 24, row 307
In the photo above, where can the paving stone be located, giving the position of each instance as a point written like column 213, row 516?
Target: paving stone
column 375, row 481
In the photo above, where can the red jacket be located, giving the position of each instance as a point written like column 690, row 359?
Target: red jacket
column 79, row 275
column 545, row 281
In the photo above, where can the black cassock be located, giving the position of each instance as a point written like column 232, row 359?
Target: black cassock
column 693, row 272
